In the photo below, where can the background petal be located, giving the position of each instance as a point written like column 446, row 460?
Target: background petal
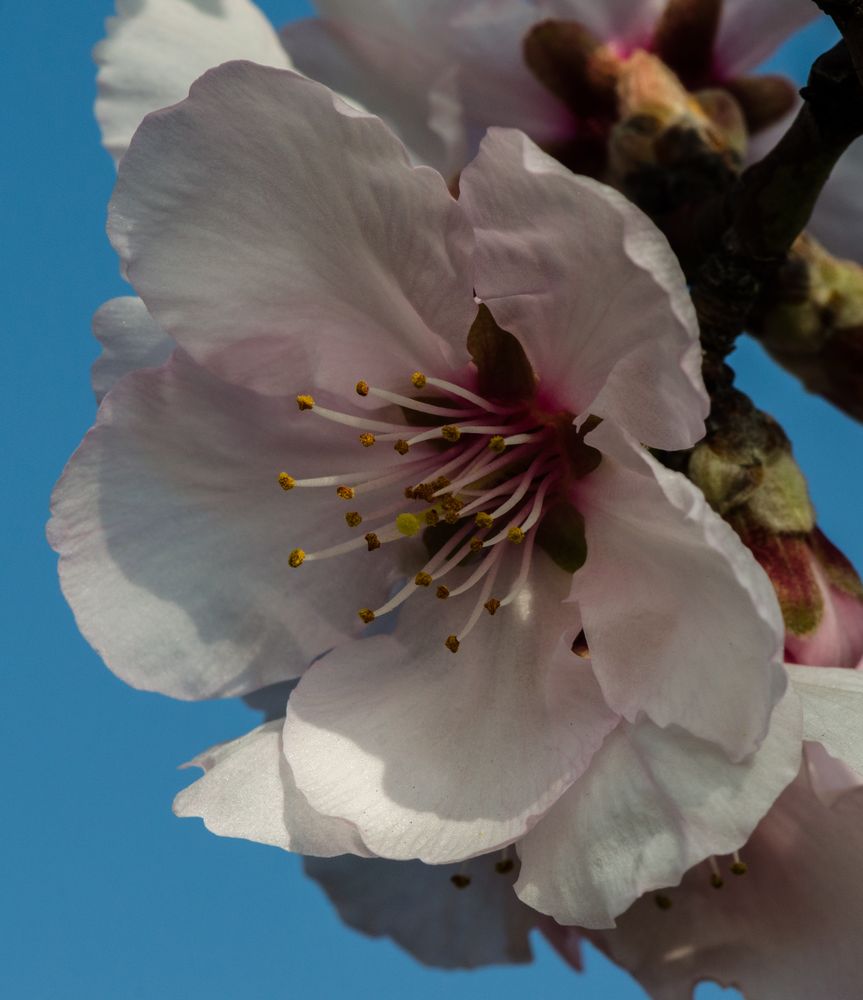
column 130, row 340
column 653, row 803
column 156, row 48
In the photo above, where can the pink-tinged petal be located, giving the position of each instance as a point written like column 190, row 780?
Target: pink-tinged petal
column 442, row 757
column 419, row 908
column 682, row 622
column 130, row 340
column 174, row 536
column 750, row 32
column 838, row 639
column 838, row 217
column 787, row 929
column 832, row 701
column 830, row 778
column 653, row 803
column 254, row 245
column 248, row 791
column 590, row 287
column 156, row 48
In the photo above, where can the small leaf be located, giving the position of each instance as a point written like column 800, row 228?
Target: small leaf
column 561, row 535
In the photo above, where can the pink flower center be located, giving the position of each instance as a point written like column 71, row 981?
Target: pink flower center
column 477, row 477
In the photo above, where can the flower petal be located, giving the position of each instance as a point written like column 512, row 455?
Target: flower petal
column 750, row 32
column 653, row 803
column 838, row 217
column 174, row 537
column 590, row 287
column 422, row 911
column 441, row 757
column 681, row 621
column 156, row 48
column 788, row 928
column 130, row 339
column 253, row 245
column 838, row 639
column 248, row 791
column 832, row 702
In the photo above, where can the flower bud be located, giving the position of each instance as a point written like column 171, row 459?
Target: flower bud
column 813, row 324
column 755, row 484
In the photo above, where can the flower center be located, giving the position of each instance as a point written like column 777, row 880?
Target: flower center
column 484, row 481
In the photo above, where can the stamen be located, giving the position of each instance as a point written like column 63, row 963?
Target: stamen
column 346, row 493
column 305, row 402
column 536, row 511
column 476, row 544
column 423, row 579
column 415, row 404
column 432, row 518
column 483, row 520
column 506, row 864
column 367, row 615
column 487, row 564
column 515, row 535
column 367, row 439
column 738, row 867
column 480, row 604
column 491, row 605
column 452, row 645
column 457, row 390
column 402, row 447
column 372, row 541
column 458, row 880
column 286, row 482
column 418, row 380
column 525, row 481
column 362, row 388
column 523, row 573
column 497, row 443
column 450, row 433
column 353, row 518
column 442, row 593
column 349, row 419
column 716, row 879
column 296, row 558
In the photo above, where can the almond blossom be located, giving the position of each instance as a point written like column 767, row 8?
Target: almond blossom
column 784, row 928
column 442, row 72
column 346, row 434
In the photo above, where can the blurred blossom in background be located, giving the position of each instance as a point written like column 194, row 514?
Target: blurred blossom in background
column 106, row 894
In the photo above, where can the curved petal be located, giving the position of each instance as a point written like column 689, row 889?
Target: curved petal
column 130, row 340
column 832, row 701
column 253, row 244
column 418, row 907
column 788, row 928
column 441, row 757
column 750, row 32
column 590, row 287
column 682, row 622
column 653, row 803
column 838, row 217
column 174, row 537
column 248, row 791
column 156, row 48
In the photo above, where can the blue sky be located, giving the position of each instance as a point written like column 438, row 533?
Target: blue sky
column 106, row 894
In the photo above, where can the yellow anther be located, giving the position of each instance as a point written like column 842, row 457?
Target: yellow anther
column 423, row 579
column 515, row 535
column 439, row 483
column 367, row 439
column 362, row 388
column 491, row 605
column 367, row 615
column 354, row 518
column 449, row 502
column 450, row 433
column 497, row 443
column 345, row 492
column 458, row 880
column 739, row 868
column 418, row 380
column 483, row 520
column 504, row 866
column 410, row 493
column 305, row 402
column 451, row 517
column 432, row 517
column 372, row 541
column 402, row 447
column 442, row 592
column 423, row 491
column 408, row 525
column 475, row 544
column 716, row 880
column 286, row 482
column 296, row 558
column 452, row 643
